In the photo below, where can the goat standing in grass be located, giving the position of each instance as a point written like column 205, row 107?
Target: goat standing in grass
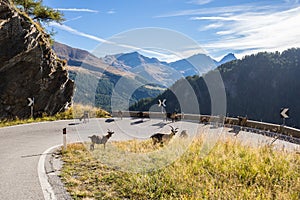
column 163, row 138
column 97, row 139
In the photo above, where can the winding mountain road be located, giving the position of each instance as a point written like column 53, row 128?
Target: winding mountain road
column 20, row 150
column 21, row 146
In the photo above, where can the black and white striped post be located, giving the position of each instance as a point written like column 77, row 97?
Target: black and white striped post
column 65, row 138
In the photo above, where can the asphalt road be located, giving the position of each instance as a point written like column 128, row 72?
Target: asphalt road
column 21, row 146
column 20, row 149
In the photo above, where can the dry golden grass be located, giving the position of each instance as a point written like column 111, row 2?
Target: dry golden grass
column 229, row 171
column 78, row 110
column 72, row 113
column 136, row 146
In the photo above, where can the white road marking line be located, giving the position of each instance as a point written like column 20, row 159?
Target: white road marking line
column 46, row 187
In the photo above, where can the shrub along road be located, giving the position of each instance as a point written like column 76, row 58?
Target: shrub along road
column 21, row 146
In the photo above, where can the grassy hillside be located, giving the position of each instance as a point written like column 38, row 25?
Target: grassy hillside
column 95, row 80
column 229, row 171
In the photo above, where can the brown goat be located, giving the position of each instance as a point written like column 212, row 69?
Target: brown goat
column 173, row 116
column 97, row 139
column 162, row 137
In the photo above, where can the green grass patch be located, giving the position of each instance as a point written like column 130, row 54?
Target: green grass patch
column 229, row 171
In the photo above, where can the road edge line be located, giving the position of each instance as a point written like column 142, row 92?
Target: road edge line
column 43, row 178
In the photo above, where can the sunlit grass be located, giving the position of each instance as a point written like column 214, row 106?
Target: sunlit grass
column 72, row 113
column 229, row 171
column 17, row 121
column 78, row 111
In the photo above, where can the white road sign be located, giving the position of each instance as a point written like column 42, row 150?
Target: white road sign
column 31, row 101
column 162, row 103
column 284, row 113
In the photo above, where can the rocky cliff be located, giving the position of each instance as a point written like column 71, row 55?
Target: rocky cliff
column 29, row 68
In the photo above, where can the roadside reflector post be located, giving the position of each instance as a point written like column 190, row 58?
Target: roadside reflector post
column 65, row 138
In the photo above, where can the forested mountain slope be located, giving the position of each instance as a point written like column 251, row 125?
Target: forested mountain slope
column 257, row 86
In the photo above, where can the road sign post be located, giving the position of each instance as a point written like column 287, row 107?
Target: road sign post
column 67, row 106
column 162, row 104
column 31, row 104
column 284, row 113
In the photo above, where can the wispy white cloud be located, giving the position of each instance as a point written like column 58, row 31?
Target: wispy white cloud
column 200, row 2
column 73, row 19
column 112, row 11
column 220, row 18
column 77, row 10
column 260, row 31
column 211, row 26
column 163, row 56
column 292, row 1
column 220, row 10
column 247, row 28
column 76, row 32
column 227, row 32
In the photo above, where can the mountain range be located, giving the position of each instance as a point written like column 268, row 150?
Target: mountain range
column 144, row 77
column 134, row 64
column 164, row 73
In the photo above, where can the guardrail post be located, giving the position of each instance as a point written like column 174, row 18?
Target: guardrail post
column 65, row 138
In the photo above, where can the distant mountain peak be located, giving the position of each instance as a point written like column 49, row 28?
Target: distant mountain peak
column 66, row 52
column 134, row 59
column 227, row 58
column 134, row 53
column 194, row 65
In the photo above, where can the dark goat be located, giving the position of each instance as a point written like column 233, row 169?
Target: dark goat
column 173, row 116
column 204, row 120
column 97, row 139
column 163, row 138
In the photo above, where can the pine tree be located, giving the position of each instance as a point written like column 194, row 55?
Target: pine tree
column 37, row 11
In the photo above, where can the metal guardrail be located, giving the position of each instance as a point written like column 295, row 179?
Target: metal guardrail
column 241, row 123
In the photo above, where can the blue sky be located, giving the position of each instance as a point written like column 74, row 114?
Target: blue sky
column 218, row 26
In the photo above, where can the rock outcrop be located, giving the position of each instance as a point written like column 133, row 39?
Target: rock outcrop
column 29, row 68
